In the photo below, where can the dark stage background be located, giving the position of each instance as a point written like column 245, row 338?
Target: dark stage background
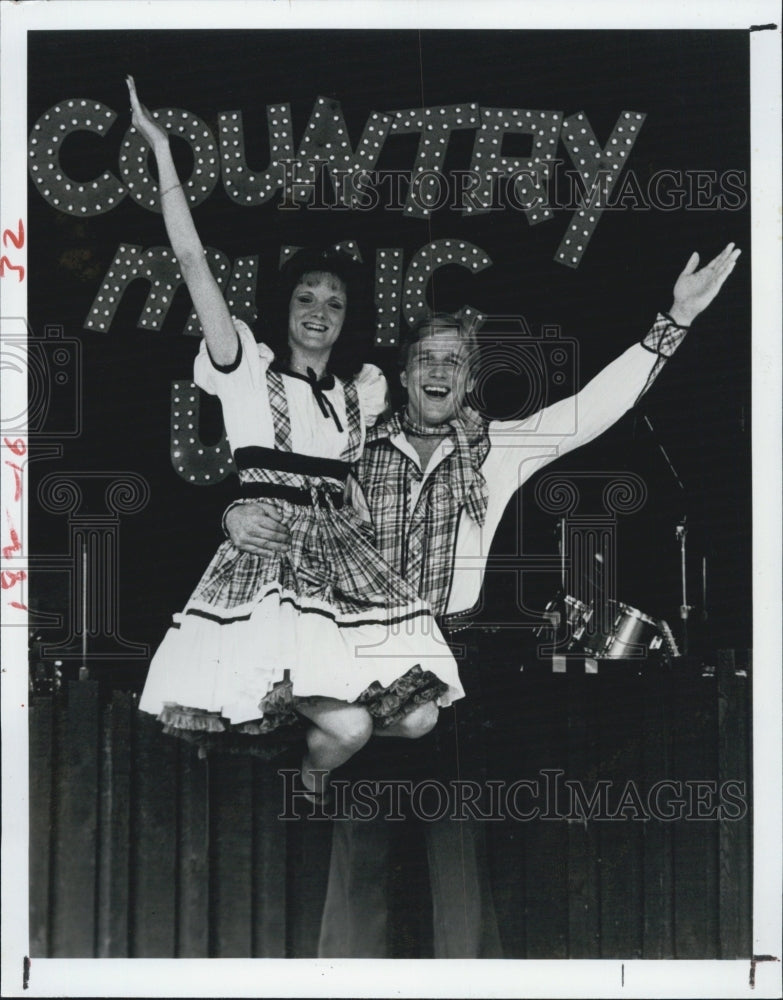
column 141, row 806
column 693, row 88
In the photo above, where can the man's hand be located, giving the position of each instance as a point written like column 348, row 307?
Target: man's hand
column 257, row 528
column 694, row 289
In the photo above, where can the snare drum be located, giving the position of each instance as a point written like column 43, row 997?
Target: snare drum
column 633, row 636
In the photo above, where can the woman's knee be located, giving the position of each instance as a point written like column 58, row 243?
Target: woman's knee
column 354, row 728
column 420, row 721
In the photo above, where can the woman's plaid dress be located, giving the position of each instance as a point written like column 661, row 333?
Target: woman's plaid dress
column 327, row 619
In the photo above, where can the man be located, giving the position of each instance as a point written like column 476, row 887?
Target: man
column 435, row 482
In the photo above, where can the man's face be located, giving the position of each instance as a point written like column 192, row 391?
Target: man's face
column 437, row 376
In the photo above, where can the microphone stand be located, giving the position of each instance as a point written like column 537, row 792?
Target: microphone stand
column 704, row 614
column 681, row 532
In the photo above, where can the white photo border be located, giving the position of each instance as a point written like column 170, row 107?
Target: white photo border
column 595, row 978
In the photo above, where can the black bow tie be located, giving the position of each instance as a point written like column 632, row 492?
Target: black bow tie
column 319, row 386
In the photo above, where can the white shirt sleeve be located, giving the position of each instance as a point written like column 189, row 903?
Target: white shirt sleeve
column 519, row 449
column 580, row 418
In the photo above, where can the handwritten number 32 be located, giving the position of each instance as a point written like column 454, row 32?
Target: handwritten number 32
column 17, row 239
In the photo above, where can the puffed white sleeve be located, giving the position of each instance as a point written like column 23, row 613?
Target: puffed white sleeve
column 241, row 388
column 250, row 364
column 373, row 392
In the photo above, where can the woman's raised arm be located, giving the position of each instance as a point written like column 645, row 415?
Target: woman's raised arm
column 205, row 292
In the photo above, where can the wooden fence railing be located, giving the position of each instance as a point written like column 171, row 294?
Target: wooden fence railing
column 138, row 848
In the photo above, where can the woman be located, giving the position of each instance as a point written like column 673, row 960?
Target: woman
column 325, row 630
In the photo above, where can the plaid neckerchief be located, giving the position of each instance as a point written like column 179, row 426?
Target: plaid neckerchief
column 468, row 458
column 419, row 540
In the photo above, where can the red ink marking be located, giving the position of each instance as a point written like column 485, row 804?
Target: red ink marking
column 17, row 479
column 5, row 262
column 16, row 604
column 16, row 545
column 17, row 447
column 10, row 577
column 18, row 241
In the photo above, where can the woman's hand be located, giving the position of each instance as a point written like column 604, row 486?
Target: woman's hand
column 694, row 289
column 155, row 135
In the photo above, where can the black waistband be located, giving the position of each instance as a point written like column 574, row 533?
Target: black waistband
column 255, row 457
column 304, row 498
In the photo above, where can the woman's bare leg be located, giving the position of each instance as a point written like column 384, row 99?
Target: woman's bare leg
column 339, row 729
column 417, row 723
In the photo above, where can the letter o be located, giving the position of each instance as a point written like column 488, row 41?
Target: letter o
column 135, row 153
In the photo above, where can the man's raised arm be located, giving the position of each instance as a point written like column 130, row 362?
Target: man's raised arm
column 578, row 419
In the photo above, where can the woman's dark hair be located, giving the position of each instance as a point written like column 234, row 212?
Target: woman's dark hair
column 353, row 344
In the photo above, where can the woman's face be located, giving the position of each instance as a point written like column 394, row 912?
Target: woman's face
column 316, row 312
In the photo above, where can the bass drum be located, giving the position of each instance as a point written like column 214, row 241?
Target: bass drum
column 634, row 635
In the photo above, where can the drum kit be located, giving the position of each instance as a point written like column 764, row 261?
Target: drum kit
column 631, row 635
column 615, row 630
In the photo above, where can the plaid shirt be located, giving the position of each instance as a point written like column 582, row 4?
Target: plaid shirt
column 418, row 538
